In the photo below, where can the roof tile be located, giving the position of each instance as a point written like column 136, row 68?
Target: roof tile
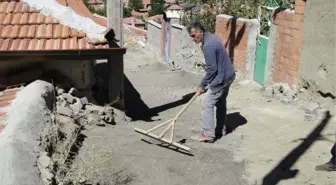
column 18, row 8
column 24, row 18
column 6, row 31
column 10, row 7
column 33, row 18
column 73, row 42
column 58, row 31
column 4, row 44
column 32, row 43
column 15, row 31
column 49, row 31
column 40, row 18
column 23, row 31
column 2, row 17
column 16, row 18
column 23, row 44
column 65, row 44
column 15, row 44
column 84, row 44
column 32, row 10
column 40, row 44
column 25, row 28
column 3, row 7
column 41, row 31
column 65, row 31
column 7, row 19
column 31, row 31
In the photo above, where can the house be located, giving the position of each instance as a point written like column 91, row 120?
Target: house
column 37, row 37
column 96, row 4
column 174, row 13
column 134, row 22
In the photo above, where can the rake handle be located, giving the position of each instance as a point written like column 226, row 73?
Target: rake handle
column 185, row 107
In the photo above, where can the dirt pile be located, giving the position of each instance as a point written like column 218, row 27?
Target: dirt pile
column 291, row 94
column 72, row 115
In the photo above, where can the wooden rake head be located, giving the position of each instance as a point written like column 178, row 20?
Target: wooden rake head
column 171, row 126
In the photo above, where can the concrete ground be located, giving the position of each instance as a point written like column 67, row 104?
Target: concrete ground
column 271, row 139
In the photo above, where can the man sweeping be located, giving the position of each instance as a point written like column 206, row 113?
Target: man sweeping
column 219, row 76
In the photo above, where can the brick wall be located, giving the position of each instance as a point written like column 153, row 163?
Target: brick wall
column 234, row 35
column 287, row 51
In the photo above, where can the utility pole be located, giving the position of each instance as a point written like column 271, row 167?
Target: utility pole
column 114, row 10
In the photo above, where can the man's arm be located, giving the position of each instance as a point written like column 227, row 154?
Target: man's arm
column 211, row 65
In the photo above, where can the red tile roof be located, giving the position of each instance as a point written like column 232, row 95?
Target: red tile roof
column 128, row 20
column 174, row 7
column 79, row 7
column 95, row 1
column 146, row 2
column 24, row 28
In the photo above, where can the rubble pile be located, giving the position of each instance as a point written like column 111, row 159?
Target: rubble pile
column 282, row 91
column 73, row 113
column 74, row 105
column 288, row 94
column 189, row 58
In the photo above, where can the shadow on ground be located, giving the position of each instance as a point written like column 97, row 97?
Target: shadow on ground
column 135, row 107
column 283, row 170
column 234, row 120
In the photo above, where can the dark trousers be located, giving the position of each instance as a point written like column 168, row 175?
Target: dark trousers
column 333, row 154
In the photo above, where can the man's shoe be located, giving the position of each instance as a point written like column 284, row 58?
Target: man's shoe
column 326, row 167
column 203, row 138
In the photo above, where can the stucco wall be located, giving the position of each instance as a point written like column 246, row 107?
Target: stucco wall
column 79, row 72
column 154, row 35
column 317, row 64
column 184, row 52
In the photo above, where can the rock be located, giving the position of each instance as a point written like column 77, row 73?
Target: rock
column 67, row 97
column 60, row 91
column 64, row 104
column 94, row 119
column 93, row 108
column 285, row 101
column 44, row 161
column 269, row 91
column 311, row 107
column 309, row 117
column 84, row 100
column 65, row 111
column 77, row 106
column 75, row 92
column 82, row 180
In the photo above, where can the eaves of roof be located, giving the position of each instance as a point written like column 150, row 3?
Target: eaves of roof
column 72, row 54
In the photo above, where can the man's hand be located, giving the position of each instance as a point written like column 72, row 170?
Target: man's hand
column 199, row 91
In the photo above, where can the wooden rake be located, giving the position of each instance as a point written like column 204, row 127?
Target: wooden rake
column 171, row 126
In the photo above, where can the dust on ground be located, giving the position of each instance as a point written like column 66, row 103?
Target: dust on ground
column 271, row 141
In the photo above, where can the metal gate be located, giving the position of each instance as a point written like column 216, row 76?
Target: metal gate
column 260, row 60
column 166, row 44
column 262, row 42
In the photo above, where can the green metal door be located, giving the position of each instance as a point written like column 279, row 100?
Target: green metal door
column 260, row 60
